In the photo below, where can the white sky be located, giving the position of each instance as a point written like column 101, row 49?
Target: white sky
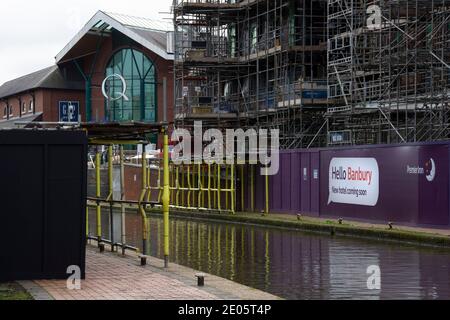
column 32, row 32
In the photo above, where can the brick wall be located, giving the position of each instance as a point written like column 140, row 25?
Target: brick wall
column 133, row 182
column 51, row 99
column 45, row 100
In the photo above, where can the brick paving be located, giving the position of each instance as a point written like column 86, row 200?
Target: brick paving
column 113, row 277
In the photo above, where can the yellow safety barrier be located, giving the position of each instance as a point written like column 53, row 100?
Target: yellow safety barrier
column 206, row 187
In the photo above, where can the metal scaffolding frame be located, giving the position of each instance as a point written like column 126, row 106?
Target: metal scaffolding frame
column 325, row 73
column 388, row 71
column 252, row 64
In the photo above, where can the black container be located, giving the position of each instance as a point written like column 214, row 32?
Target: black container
column 42, row 203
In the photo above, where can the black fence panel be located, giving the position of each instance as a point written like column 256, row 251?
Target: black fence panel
column 43, row 178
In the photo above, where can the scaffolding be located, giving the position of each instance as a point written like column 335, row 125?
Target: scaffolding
column 252, row 64
column 325, row 73
column 388, row 71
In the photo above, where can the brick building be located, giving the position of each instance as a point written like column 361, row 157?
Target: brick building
column 124, row 57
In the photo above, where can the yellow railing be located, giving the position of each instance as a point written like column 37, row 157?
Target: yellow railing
column 208, row 187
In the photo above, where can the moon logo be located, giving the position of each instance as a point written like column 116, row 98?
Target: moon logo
column 431, row 170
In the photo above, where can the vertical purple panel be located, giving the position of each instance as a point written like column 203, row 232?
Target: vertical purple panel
column 285, row 166
column 434, row 188
column 260, row 193
column 276, row 185
column 315, row 182
column 247, row 203
column 305, row 177
column 295, row 182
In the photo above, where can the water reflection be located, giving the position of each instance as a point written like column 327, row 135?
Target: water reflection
column 296, row 265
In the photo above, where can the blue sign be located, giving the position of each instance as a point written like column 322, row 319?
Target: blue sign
column 69, row 111
column 315, row 94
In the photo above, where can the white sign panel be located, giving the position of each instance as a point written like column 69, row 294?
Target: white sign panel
column 354, row 181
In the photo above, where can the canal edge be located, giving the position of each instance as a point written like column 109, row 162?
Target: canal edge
column 344, row 230
column 347, row 229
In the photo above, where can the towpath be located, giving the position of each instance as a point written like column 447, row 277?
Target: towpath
column 110, row 276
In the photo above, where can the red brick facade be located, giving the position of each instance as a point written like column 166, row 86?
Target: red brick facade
column 98, row 64
column 44, row 101
column 133, row 182
column 47, row 100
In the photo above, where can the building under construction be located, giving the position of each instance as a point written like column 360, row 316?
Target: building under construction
column 323, row 72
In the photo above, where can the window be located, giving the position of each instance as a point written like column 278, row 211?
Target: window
column 140, row 75
column 24, row 108
column 10, row 111
column 5, row 112
column 31, row 107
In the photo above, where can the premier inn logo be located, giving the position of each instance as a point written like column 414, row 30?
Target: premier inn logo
column 429, row 170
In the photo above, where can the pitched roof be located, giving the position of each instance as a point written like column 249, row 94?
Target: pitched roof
column 48, row 78
column 12, row 122
column 150, row 33
column 139, row 22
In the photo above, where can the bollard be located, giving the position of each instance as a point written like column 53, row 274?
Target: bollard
column 143, row 260
column 200, row 279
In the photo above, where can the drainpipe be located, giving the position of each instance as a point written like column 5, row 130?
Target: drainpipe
column 33, row 95
column 88, row 98
column 20, row 106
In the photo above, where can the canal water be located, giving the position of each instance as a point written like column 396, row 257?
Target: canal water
column 298, row 265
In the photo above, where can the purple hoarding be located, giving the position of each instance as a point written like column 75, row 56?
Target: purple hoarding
column 294, row 189
column 407, row 184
